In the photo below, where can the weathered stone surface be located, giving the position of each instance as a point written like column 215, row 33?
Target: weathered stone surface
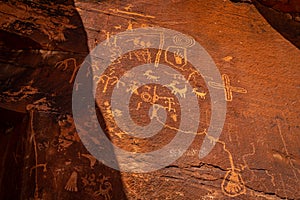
column 257, row 155
column 42, row 46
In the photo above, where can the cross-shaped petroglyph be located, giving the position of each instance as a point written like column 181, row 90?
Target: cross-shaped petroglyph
column 229, row 89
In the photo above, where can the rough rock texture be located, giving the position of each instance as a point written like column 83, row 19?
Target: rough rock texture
column 42, row 47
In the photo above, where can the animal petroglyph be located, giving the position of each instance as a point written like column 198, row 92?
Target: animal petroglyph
column 150, row 76
column 199, row 94
column 176, row 90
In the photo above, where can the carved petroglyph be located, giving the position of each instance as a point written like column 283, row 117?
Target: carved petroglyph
column 200, row 95
column 91, row 158
column 118, row 27
column 133, row 86
column 233, row 184
column 68, row 134
column 179, row 58
column 175, row 90
column 66, row 64
column 101, row 182
column 33, row 139
column 142, row 55
column 150, row 76
column 44, row 166
column 72, row 182
column 287, row 154
column 227, row 87
column 140, row 43
column 105, row 188
column 153, row 99
column 24, row 93
column 128, row 7
column 183, row 41
column 106, row 80
column 132, row 13
column 176, row 76
column 34, row 18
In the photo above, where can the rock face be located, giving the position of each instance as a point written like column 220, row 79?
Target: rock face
column 42, row 47
column 291, row 6
column 284, row 16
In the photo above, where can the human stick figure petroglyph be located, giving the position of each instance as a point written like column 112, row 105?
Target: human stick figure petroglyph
column 153, row 98
column 105, row 79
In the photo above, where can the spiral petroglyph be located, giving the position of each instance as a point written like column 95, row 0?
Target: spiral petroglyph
column 146, row 82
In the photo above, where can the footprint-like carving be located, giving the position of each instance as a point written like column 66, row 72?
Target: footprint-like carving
column 233, row 184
